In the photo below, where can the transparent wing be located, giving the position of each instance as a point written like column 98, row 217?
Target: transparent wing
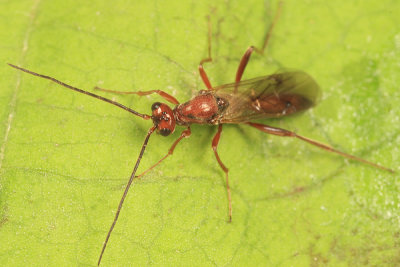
column 270, row 96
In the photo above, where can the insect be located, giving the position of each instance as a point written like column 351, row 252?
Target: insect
column 241, row 102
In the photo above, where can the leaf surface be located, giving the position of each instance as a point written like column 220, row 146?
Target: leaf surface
column 65, row 158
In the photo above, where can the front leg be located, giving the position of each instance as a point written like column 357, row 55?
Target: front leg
column 186, row 133
column 163, row 94
column 202, row 72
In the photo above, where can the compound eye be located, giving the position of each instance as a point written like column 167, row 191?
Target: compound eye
column 165, row 132
column 155, row 106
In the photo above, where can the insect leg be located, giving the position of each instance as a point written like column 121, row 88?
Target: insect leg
column 215, row 142
column 203, row 74
column 286, row 133
column 163, row 94
column 246, row 57
column 184, row 134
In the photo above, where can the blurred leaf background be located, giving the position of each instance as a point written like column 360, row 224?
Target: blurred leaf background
column 65, row 158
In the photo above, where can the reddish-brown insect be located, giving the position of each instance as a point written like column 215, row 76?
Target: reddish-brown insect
column 272, row 96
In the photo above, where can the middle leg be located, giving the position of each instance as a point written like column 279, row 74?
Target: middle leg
column 223, row 167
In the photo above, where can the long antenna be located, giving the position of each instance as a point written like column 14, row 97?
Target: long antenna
column 128, row 185
column 146, row 140
column 144, row 116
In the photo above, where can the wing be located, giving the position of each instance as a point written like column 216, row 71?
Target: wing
column 270, row 96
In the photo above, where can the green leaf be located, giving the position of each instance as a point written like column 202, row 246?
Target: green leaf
column 65, row 158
